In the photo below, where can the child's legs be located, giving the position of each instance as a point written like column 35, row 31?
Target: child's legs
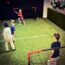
column 6, row 46
column 12, row 44
column 7, row 42
column 22, row 19
column 52, row 61
column 19, row 20
column 12, row 35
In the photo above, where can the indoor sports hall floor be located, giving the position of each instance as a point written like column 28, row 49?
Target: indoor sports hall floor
column 35, row 35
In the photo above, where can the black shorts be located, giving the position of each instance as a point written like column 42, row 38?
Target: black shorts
column 12, row 33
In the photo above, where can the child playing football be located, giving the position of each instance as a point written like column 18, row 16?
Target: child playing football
column 12, row 27
column 8, row 37
column 55, row 53
column 20, row 16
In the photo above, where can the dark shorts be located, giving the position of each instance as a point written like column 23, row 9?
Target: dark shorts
column 12, row 33
column 21, row 17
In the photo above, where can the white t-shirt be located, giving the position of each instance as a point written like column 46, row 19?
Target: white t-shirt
column 7, row 33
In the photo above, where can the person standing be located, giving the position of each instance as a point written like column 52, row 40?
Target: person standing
column 55, row 53
column 20, row 16
column 8, row 37
column 12, row 27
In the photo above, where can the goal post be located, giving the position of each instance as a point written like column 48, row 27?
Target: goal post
column 39, row 54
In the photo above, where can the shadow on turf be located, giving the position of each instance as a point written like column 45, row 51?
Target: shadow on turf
column 2, row 48
column 9, row 59
column 6, row 59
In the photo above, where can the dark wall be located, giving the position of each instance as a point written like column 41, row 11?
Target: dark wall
column 56, row 18
column 6, row 8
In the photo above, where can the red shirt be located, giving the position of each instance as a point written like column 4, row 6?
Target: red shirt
column 19, row 13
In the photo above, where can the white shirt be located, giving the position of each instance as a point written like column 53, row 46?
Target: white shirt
column 6, row 32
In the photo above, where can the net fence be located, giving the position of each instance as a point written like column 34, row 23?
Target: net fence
column 41, row 57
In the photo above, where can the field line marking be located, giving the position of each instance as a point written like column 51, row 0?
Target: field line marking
column 35, row 36
column 27, row 37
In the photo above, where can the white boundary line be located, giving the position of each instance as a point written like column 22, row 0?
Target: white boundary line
column 36, row 36
column 28, row 37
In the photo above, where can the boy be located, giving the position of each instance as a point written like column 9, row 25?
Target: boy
column 55, row 53
column 8, row 37
column 20, row 16
column 12, row 27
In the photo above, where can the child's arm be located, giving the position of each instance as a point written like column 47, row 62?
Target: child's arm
column 52, row 51
column 14, row 9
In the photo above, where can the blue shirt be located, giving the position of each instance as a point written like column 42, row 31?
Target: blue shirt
column 56, row 51
column 12, row 29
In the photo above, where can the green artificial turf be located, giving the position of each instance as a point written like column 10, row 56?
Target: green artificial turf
column 35, row 35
